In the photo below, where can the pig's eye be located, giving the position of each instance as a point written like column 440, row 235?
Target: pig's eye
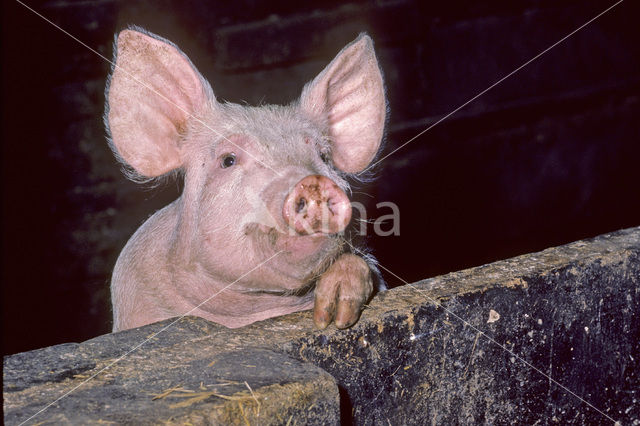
column 324, row 156
column 228, row 160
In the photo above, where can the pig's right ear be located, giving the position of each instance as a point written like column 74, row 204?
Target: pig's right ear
column 153, row 90
column 349, row 95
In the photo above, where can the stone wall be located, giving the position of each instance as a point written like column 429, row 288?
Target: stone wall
column 543, row 338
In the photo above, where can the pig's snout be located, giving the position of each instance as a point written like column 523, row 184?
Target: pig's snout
column 317, row 205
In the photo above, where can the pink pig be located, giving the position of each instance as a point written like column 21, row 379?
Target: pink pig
column 258, row 229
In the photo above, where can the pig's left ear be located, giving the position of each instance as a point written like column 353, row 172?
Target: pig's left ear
column 349, row 93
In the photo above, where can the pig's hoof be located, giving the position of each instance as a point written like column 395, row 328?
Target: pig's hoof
column 342, row 291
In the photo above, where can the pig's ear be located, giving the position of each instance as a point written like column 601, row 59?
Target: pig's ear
column 349, row 93
column 152, row 92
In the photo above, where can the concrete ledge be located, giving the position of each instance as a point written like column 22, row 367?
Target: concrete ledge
column 547, row 337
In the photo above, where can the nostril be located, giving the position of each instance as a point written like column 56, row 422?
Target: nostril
column 301, row 204
column 330, row 206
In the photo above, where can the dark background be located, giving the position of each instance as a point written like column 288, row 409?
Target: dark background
column 549, row 156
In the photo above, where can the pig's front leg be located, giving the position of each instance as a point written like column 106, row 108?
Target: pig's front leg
column 342, row 291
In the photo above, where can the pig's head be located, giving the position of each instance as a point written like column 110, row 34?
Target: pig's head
column 259, row 182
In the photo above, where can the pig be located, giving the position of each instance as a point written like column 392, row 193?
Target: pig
column 259, row 228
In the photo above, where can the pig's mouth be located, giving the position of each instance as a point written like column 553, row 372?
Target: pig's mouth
column 296, row 247
column 299, row 258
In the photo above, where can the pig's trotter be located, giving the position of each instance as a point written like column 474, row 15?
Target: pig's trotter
column 342, row 291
